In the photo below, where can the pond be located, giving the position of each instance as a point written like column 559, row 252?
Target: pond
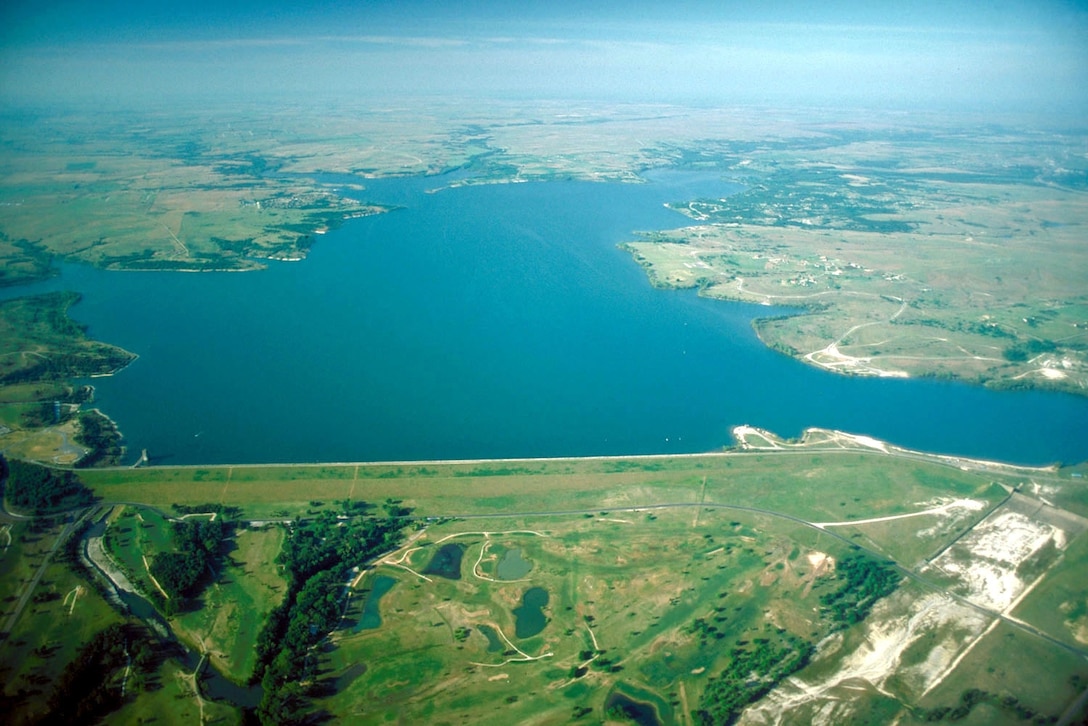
column 530, row 618
column 512, row 566
column 372, row 617
column 644, row 714
column 446, row 562
column 494, row 642
column 638, row 705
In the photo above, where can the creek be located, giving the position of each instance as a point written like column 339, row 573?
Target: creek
column 213, row 684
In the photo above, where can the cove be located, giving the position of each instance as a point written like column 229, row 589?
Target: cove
column 497, row 321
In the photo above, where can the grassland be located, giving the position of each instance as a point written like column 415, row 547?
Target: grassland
column 64, row 613
column 587, row 525
column 907, row 265
column 659, row 571
column 41, row 351
column 149, row 192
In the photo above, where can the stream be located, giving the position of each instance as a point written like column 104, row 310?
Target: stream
column 213, row 684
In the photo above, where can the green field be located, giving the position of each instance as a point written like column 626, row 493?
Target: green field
column 814, row 485
column 236, row 605
column 661, row 574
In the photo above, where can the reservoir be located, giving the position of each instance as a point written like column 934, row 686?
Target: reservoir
column 495, row 321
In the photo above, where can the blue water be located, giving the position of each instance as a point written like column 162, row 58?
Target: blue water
column 497, row 321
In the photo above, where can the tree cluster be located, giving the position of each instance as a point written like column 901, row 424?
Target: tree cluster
column 99, row 434
column 864, row 581
column 751, row 674
column 318, row 557
column 40, row 489
column 973, row 697
column 183, row 573
column 93, row 684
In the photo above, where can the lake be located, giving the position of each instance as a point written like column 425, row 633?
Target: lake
column 496, row 321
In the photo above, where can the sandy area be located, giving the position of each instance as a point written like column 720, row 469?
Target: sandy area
column 890, row 630
column 986, row 560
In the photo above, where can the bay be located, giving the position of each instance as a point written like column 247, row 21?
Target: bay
column 496, row 321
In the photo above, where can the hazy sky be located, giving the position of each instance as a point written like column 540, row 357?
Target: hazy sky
column 971, row 55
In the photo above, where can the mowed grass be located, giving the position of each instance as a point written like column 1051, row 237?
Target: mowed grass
column 234, row 609
column 816, row 486
column 664, row 599
column 134, row 536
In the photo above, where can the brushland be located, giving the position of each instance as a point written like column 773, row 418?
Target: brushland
column 809, row 577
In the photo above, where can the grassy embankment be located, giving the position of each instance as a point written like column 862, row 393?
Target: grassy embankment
column 813, row 485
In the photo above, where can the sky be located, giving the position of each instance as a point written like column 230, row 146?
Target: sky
column 1015, row 56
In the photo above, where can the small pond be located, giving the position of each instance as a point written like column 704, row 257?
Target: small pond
column 512, row 566
column 494, row 642
column 446, row 562
column 644, row 714
column 642, row 707
column 372, row 617
column 530, row 616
